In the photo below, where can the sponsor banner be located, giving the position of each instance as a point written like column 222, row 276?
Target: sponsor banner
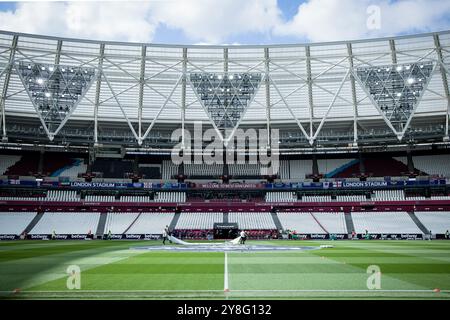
column 152, row 236
column 229, row 186
column 134, row 236
column 57, row 237
column 392, row 236
column 39, row 236
column 8, row 237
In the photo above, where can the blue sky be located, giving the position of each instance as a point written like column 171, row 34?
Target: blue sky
column 226, row 21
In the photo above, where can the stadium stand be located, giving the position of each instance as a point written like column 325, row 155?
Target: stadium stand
column 119, row 222
column 15, row 222
column 135, row 199
column 300, row 168
column 150, row 223
column 384, row 222
column 252, row 220
column 198, row 220
column 7, row 161
column 388, row 195
column 300, row 222
column 437, row 222
column 112, row 168
column 438, row 165
column 281, row 197
column 99, row 198
column 332, row 222
column 169, row 169
column 170, row 197
column 73, row 170
column 53, row 195
column 67, row 223
column 316, row 199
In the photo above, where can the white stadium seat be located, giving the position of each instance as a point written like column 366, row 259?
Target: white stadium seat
column 67, row 223
column 15, row 222
column 252, row 220
column 384, row 222
column 437, row 222
column 199, row 220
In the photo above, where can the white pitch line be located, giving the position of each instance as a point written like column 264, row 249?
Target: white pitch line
column 225, row 275
column 243, row 290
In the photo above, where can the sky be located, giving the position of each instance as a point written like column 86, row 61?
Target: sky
column 230, row 22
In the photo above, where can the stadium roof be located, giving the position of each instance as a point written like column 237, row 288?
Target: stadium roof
column 393, row 85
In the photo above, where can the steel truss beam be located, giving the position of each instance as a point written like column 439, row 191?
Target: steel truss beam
column 97, row 92
column 354, row 100
column 7, row 72
column 437, row 43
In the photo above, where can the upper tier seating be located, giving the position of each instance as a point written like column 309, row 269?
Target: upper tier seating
column 384, row 222
column 203, row 170
column 150, row 172
column 7, row 161
column 169, row 169
column 113, row 168
column 300, row 222
column 298, row 169
column 252, row 220
column 72, row 171
column 199, row 220
column 67, row 223
column 15, row 222
column 438, row 165
column 27, row 165
column 151, row 223
column 331, row 167
column 437, row 222
column 253, row 170
column 118, row 222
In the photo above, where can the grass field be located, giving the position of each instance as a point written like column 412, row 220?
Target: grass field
column 109, row 269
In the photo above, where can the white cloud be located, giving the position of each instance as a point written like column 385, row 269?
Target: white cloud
column 208, row 21
column 98, row 20
column 330, row 20
column 214, row 21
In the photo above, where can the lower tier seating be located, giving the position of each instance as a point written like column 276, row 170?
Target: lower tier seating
column 437, row 222
column 15, row 222
column 384, row 222
column 252, row 220
column 67, row 223
column 199, row 220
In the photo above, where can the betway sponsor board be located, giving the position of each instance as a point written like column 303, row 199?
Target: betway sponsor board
column 134, row 236
column 57, row 237
column 319, row 236
column 8, row 237
column 399, row 236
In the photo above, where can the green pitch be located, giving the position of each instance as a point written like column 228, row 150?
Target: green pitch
column 109, row 269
